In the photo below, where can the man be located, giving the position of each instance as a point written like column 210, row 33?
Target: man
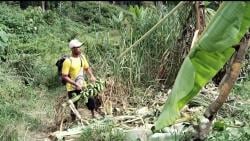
column 72, row 72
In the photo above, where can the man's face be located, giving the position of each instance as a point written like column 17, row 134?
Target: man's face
column 76, row 50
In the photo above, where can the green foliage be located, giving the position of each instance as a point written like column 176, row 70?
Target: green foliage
column 142, row 63
column 3, row 44
column 14, row 100
column 231, row 134
column 242, row 89
column 209, row 14
column 102, row 131
column 208, row 56
column 219, row 125
column 91, row 13
column 23, row 24
column 212, row 4
column 236, row 120
column 36, row 38
column 8, row 132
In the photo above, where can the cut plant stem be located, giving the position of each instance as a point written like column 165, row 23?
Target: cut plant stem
column 73, row 100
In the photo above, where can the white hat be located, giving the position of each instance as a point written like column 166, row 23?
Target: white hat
column 74, row 43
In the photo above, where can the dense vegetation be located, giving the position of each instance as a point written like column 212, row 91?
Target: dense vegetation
column 32, row 40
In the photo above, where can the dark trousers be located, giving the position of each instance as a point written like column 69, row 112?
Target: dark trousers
column 71, row 95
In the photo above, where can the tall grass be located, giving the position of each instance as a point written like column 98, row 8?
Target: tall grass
column 15, row 101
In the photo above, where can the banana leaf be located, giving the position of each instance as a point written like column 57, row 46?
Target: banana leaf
column 212, row 50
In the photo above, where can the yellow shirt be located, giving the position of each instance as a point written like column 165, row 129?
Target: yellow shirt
column 72, row 67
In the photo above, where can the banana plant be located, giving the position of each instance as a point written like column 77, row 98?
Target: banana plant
column 211, row 51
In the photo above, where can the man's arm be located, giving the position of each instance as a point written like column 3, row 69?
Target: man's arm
column 88, row 69
column 67, row 79
column 65, row 72
column 89, row 72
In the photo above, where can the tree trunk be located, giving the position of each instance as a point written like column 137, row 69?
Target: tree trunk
column 47, row 5
column 43, row 6
column 73, row 4
column 202, row 7
column 225, row 86
column 200, row 16
column 198, row 23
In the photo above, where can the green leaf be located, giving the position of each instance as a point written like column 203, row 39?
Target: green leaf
column 3, row 36
column 207, row 57
column 219, row 125
column 206, row 3
column 209, row 13
column 2, row 45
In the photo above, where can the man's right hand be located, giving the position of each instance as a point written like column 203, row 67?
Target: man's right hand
column 78, row 87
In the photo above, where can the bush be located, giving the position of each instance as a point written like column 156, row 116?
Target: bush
column 102, row 131
column 8, row 132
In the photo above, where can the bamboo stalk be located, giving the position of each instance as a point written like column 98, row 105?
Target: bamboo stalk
column 152, row 29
